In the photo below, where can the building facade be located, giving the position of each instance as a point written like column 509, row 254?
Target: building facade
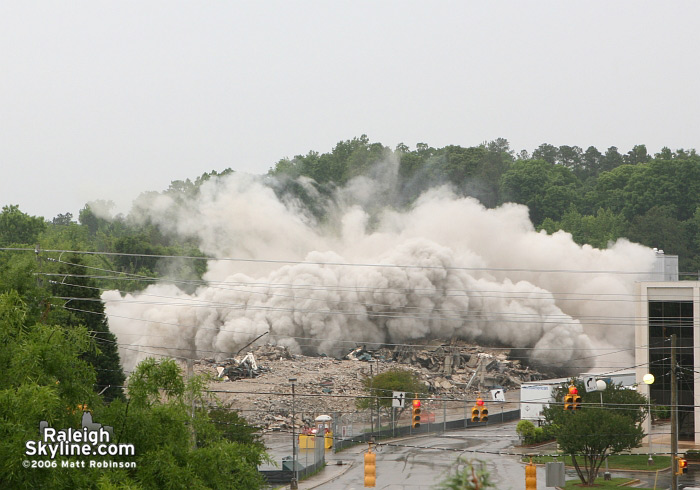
column 665, row 308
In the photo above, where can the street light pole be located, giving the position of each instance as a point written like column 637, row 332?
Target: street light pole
column 601, row 385
column 674, row 415
column 649, row 380
column 294, row 483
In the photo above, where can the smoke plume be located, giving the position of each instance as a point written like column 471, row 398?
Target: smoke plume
column 370, row 273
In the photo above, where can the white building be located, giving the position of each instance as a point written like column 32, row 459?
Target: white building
column 664, row 308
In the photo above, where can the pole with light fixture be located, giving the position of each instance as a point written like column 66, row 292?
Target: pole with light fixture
column 601, row 385
column 649, row 380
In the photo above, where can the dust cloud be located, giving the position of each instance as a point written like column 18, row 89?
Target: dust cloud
column 373, row 273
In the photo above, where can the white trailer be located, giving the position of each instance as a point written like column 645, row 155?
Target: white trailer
column 536, row 395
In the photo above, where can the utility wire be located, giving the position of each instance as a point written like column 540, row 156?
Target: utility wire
column 341, row 264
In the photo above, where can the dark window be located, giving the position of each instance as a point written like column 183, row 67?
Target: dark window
column 665, row 319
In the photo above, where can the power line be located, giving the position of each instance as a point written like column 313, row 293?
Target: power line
column 470, row 314
column 340, row 264
column 543, row 294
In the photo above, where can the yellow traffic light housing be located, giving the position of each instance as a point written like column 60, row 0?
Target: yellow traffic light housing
column 484, row 415
column 370, row 468
column 475, row 414
column 530, row 476
column 572, row 400
column 415, row 414
column 682, row 465
column 479, row 412
column 568, row 402
column 577, row 402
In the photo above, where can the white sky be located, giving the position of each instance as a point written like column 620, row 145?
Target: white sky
column 105, row 100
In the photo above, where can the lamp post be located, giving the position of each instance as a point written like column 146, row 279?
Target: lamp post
column 293, row 485
column 649, row 380
column 601, row 385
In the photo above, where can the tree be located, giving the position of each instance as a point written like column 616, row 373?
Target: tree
column 612, row 159
column 591, row 162
column 87, row 309
column 18, row 228
column 467, row 476
column 382, row 386
column 178, row 448
column 546, row 152
column 43, row 379
column 570, row 156
column 597, row 430
column 598, row 230
column 63, row 219
column 547, row 190
column 636, row 155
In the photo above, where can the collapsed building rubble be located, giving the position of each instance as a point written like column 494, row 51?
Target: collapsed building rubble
column 325, row 385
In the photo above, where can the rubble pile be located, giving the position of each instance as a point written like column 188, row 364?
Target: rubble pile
column 258, row 384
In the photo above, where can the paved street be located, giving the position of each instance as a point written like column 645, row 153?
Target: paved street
column 417, row 463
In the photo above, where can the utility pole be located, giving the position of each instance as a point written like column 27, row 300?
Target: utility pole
column 371, row 390
column 674, row 415
column 190, row 375
column 294, row 483
column 379, row 414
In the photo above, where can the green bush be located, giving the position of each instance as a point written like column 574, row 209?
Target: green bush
column 526, row 430
column 661, row 412
column 533, row 435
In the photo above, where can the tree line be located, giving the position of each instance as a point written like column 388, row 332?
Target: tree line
column 596, row 196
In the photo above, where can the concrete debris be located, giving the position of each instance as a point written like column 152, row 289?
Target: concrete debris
column 452, row 369
column 359, row 354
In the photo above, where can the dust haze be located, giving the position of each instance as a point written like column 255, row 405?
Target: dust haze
column 372, row 273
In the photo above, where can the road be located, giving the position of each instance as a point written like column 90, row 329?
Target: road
column 418, row 463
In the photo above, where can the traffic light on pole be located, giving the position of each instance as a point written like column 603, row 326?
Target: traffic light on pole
column 475, row 413
column 572, row 400
column 682, row 466
column 370, row 468
column 415, row 414
column 577, row 402
column 483, row 411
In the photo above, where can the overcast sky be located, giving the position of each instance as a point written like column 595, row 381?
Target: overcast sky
column 105, row 100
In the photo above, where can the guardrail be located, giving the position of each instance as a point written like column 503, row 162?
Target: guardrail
column 404, row 431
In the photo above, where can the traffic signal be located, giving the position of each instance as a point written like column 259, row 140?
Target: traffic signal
column 475, row 413
column 530, row 477
column 572, row 400
column 484, row 416
column 682, row 466
column 479, row 412
column 568, row 402
column 577, row 402
column 370, row 468
column 415, row 414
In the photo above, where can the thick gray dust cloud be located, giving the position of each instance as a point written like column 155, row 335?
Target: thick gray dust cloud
column 446, row 267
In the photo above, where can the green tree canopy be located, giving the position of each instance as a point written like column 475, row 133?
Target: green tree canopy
column 381, row 387
column 607, row 423
column 18, row 228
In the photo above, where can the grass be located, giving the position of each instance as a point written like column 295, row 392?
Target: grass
column 600, row 483
column 633, row 462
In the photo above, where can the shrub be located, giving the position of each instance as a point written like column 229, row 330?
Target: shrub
column 527, row 431
column 661, row 412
